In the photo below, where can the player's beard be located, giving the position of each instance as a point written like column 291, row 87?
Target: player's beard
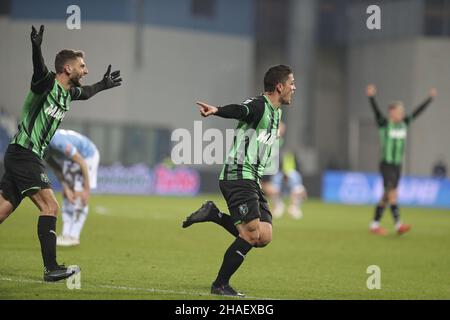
column 286, row 100
column 75, row 80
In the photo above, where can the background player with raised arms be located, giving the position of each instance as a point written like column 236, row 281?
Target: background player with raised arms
column 393, row 133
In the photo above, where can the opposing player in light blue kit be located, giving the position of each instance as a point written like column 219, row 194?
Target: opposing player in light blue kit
column 74, row 158
column 289, row 174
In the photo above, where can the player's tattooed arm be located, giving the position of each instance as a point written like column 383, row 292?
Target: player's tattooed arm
column 110, row 80
column 39, row 68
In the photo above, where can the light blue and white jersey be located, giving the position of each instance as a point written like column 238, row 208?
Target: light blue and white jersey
column 69, row 142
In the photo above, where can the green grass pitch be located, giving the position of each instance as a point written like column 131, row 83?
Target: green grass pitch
column 135, row 248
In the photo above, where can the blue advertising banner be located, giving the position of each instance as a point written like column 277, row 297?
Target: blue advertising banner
column 366, row 188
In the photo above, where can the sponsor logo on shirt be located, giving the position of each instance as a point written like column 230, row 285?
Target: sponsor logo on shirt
column 266, row 137
column 55, row 112
column 397, row 133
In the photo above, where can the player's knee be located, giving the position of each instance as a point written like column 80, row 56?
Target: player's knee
column 250, row 231
column 3, row 216
column 261, row 244
column 392, row 197
column 265, row 237
column 53, row 209
column 385, row 198
column 251, row 236
column 264, row 241
column 296, row 193
column 5, row 211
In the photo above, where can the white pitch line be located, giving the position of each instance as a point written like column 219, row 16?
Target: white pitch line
column 125, row 288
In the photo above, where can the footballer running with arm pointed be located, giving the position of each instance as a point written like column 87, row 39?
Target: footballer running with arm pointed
column 250, row 220
column 44, row 108
column 393, row 131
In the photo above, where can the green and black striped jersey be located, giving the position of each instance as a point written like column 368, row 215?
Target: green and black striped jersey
column 393, row 135
column 255, row 136
column 43, row 111
column 48, row 101
column 393, row 141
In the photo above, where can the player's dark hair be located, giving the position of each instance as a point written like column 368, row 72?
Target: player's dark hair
column 275, row 75
column 66, row 55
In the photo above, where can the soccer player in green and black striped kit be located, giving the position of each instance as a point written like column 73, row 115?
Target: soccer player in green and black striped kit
column 250, row 220
column 44, row 108
column 393, row 132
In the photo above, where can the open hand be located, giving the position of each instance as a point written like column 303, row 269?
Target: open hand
column 111, row 79
column 433, row 93
column 371, row 90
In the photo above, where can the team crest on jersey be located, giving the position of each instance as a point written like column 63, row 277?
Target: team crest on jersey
column 243, row 209
column 44, row 178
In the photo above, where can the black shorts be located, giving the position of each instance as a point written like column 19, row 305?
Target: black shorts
column 24, row 175
column 245, row 201
column 391, row 175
